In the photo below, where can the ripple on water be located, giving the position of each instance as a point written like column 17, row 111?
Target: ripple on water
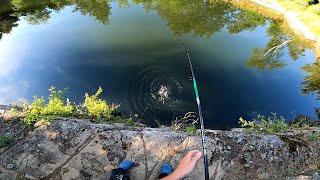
column 155, row 90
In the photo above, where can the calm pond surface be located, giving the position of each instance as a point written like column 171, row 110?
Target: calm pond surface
column 132, row 49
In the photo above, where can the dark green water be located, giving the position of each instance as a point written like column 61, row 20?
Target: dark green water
column 131, row 50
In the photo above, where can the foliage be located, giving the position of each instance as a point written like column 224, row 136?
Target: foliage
column 56, row 105
column 190, row 129
column 33, row 111
column 129, row 122
column 97, row 107
column 38, row 110
column 314, row 136
column 200, row 18
column 311, row 83
column 260, row 60
column 302, row 121
column 5, row 140
column 273, row 124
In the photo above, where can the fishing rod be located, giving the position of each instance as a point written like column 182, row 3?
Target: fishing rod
column 203, row 137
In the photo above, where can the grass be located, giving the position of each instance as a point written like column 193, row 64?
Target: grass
column 308, row 14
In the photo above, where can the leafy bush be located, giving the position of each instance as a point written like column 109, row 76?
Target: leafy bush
column 56, row 105
column 97, row 107
column 39, row 111
column 5, row 140
column 32, row 112
column 190, row 129
column 273, row 124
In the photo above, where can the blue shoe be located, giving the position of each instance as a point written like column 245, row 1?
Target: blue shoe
column 166, row 169
column 126, row 165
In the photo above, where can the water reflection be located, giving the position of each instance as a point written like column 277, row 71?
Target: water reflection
column 199, row 18
column 311, row 83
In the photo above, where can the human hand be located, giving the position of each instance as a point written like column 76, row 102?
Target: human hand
column 185, row 166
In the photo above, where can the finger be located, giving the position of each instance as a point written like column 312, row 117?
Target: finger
column 190, row 154
column 196, row 157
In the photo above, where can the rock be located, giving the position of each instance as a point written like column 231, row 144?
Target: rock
column 79, row 149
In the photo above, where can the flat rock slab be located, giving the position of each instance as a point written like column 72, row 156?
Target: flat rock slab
column 78, row 149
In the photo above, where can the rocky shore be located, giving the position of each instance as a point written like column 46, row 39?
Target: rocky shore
column 78, row 149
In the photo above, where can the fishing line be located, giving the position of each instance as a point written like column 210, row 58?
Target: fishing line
column 203, row 137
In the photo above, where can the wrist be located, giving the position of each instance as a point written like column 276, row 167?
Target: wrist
column 173, row 176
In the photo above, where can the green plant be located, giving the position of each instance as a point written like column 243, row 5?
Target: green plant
column 314, row 136
column 273, row 124
column 38, row 110
column 190, row 129
column 32, row 112
column 129, row 122
column 5, row 140
column 97, row 107
column 56, row 105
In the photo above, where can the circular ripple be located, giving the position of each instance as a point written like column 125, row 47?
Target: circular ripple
column 155, row 90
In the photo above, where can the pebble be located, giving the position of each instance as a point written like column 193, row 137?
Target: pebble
column 9, row 166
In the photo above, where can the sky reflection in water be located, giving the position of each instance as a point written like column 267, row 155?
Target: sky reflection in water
column 137, row 53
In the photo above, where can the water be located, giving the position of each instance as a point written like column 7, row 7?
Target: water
column 133, row 51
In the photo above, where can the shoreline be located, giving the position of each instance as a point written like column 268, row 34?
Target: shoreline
column 272, row 9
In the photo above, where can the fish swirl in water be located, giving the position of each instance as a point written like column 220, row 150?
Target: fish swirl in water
column 155, row 90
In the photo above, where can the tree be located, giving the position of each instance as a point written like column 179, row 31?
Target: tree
column 269, row 58
column 311, row 83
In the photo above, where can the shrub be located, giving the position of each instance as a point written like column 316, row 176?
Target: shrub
column 32, row 112
column 56, row 105
column 273, row 124
column 39, row 111
column 97, row 107
column 190, row 129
